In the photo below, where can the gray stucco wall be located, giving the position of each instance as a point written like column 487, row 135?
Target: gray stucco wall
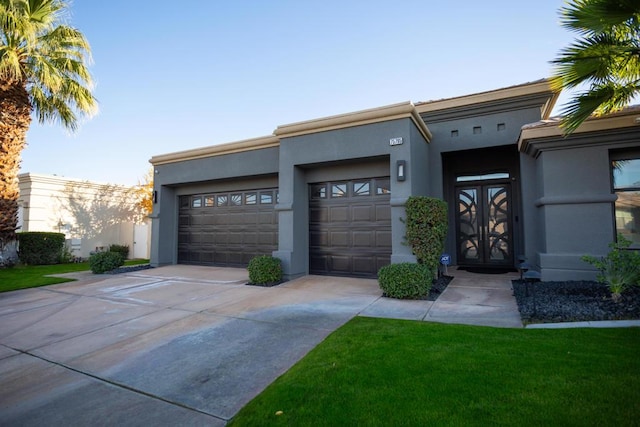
column 355, row 152
column 245, row 170
column 576, row 208
column 574, row 204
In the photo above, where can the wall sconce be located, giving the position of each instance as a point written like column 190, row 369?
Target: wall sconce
column 155, row 197
column 401, row 170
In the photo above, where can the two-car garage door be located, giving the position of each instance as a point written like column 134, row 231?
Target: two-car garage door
column 349, row 227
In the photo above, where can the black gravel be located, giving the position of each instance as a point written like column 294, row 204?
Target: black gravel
column 573, row 301
column 129, row 269
column 438, row 286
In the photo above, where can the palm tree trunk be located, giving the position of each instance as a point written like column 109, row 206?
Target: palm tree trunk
column 15, row 118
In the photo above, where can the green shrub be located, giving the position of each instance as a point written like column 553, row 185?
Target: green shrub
column 40, row 248
column 426, row 226
column 405, row 280
column 66, row 257
column 102, row 262
column 620, row 269
column 265, row 269
column 121, row 249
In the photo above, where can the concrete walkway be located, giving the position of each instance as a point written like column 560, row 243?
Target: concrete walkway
column 471, row 299
column 185, row 345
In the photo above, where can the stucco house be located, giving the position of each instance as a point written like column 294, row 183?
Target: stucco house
column 91, row 215
column 327, row 196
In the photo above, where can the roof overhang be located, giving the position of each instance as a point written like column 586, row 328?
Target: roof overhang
column 548, row 131
column 539, row 93
column 217, row 150
column 358, row 118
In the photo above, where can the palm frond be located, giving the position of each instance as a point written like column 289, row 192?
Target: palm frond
column 601, row 99
column 50, row 58
column 606, row 58
column 598, row 16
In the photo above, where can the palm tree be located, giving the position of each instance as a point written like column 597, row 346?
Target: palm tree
column 43, row 69
column 606, row 57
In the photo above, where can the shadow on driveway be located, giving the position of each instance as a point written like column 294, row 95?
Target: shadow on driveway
column 173, row 345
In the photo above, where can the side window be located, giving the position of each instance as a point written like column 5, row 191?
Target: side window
column 626, row 185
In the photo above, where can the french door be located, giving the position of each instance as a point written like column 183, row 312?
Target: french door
column 483, row 225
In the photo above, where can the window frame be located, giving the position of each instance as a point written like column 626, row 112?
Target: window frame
column 614, row 156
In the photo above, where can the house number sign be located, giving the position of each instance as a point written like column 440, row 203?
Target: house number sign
column 396, row 141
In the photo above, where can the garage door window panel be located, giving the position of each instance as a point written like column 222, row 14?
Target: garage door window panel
column 266, row 198
column 319, row 191
column 338, row 190
column 362, row 188
column 383, row 187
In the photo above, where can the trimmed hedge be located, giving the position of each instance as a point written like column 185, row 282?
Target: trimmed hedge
column 405, row 280
column 102, row 262
column 40, row 248
column 426, row 229
column 265, row 269
column 121, row 249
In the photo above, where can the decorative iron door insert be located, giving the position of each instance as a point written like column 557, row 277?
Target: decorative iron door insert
column 483, row 224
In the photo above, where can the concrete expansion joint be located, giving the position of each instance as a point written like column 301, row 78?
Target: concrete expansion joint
column 205, row 281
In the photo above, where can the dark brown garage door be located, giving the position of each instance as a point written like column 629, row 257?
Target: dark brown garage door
column 227, row 229
column 350, row 227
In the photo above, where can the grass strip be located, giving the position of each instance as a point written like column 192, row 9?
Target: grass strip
column 380, row 372
column 30, row 276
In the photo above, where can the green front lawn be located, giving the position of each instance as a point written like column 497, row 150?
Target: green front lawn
column 379, row 372
column 30, row 276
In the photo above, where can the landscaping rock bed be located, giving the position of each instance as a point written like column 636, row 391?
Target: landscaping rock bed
column 573, row 301
column 438, row 287
column 129, row 269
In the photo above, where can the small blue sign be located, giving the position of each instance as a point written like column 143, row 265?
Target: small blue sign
column 445, row 259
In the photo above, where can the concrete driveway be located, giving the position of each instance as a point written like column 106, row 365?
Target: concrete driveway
column 178, row 345
column 187, row 345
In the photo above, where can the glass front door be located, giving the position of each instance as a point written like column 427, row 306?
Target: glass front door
column 483, row 224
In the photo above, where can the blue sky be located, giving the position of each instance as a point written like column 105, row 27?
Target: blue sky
column 172, row 76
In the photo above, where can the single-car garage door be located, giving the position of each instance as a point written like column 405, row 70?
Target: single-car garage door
column 227, row 229
column 349, row 227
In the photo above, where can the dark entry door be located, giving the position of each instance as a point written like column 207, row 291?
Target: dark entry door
column 483, row 224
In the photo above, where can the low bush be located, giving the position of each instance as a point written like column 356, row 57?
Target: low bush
column 405, row 280
column 265, row 269
column 121, row 249
column 66, row 256
column 619, row 269
column 102, row 262
column 40, row 248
